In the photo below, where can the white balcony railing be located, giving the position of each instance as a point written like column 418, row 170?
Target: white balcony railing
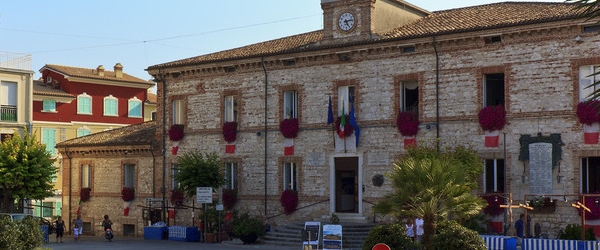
column 12, row 60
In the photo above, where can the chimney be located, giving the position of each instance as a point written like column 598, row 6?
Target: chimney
column 119, row 70
column 100, row 70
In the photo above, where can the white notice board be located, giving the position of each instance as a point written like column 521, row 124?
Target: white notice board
column 204, row 194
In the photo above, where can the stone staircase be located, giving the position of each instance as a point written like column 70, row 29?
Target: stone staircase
column 353, row 234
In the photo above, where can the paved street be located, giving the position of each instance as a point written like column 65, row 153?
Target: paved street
column 98, row 243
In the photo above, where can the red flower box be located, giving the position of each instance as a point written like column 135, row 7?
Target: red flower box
column 127, row 194
column 229, row 197
column 229, row 131
column 407, row 123
column 84, row 194
column 492, row 118
column 176, row 197
column 588, row 112
column 289, row 127
column 176, row 132
column 289, row 201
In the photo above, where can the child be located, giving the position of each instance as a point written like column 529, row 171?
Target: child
column 76, row 232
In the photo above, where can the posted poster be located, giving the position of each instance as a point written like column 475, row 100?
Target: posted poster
column 332, row 237
column 314, row 227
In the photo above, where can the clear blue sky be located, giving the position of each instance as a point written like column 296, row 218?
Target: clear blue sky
column 141, row 33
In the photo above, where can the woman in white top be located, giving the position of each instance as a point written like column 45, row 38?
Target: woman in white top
column 410, row 231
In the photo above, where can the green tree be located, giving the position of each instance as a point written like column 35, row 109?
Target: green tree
column 434, row 186
column 26, row 170
column 199, row 170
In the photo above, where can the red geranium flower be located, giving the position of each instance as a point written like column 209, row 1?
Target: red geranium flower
column 289, row 201
column 348, row 129
column 588, row 112
column 229, row 131
column 176, row 132
column 127, row 194
column 407, row 123
column 492, row 118
column 84, row 194
column 289, row 127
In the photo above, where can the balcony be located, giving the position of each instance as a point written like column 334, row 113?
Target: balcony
column 8, row 113
column 15, row 61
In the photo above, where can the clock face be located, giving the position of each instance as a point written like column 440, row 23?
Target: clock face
column 346, row 21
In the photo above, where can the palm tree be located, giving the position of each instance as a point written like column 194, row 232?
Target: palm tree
column 434, row 186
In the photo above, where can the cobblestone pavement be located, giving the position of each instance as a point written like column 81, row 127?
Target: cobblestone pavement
column 126, row 243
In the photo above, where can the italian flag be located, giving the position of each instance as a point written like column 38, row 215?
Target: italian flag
column 342, row 123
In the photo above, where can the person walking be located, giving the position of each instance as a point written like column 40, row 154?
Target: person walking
column 60, row 229
column 79, row 226
column 519, row 226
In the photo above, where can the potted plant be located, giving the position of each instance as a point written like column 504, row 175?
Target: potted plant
column 175, row 135
column 229, row 134
column 212, row 218
column 289, row 127
column 229, row 198
column 588, row 115
column 176, row 197
column 127, row 194
column 248, row 228
column 492, row 119
column 84, row 194
column 289, row 201
column 408, row 125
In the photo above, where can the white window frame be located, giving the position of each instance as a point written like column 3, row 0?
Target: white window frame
column 587, row 79
column 129, row 175
column 86, row 176
column 344, row 94
column 174, row 170
column 290, row 176
column 178, row 112
column 48, row 105
column 109, row 109
column 290, row 104
column 230, row 108
column 230, row 172
column 134, row 106
column 496, row 173
column 404, row 85
column 81, row 108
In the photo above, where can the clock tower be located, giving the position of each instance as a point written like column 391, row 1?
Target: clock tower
column 351, row 20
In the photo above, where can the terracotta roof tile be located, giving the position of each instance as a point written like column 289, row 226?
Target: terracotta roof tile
column 440, row 22
column 39, row 88
column 136, row 134
column 93, row 74
column 484, row 17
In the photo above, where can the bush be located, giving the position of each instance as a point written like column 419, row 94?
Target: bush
column 246, row 225
column 25, row 234
column 451, row 235
column 573, row 232
column 391, row 234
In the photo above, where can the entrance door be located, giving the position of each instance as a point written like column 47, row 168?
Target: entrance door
column 346, row 185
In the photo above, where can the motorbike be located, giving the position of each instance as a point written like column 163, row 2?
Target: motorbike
column 108, row 233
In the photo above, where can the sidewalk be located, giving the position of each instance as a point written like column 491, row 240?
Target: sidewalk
column 124, row 243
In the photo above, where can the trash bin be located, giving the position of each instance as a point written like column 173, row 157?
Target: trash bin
column 44, row 229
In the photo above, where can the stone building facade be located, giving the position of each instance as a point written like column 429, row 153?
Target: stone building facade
column 529, row 57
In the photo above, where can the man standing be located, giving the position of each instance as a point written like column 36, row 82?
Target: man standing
column 419, row 225
column 519, row 227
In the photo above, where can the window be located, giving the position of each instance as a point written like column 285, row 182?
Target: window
column 129, row 175
column 290, row 176
column 409, row 96
column 110, row 106
column 592, row 28
column 135, row 107
column 345, row 96
column 178, row 112
column 230, row 175
column 174, row 170
column 84, row 104
column 47, row 209
column 590, row 175
column 493, row 39
column 49, row 105
column 8, row 101
column 493, row 89
column 230, row 109
column 586, row 81
column 290, row 104
column 493, row 176
column 49, row 138
column 408, row 49
column 83, row 131
column 86, row 176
